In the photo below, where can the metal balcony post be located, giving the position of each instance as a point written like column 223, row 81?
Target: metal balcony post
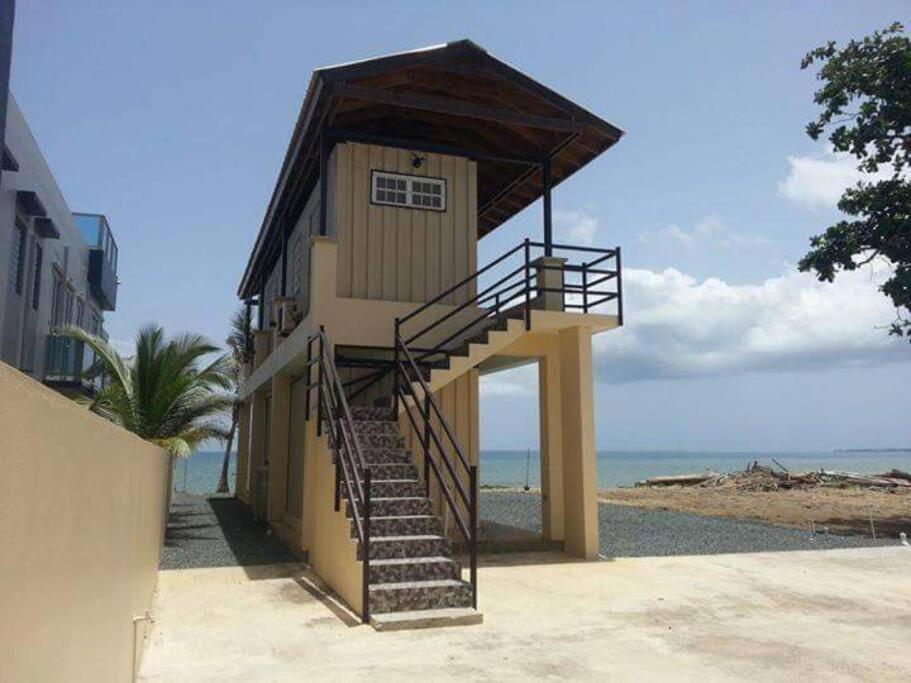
column 584, row 288
column 548, row 210
column 527, row 285
column 619, row 290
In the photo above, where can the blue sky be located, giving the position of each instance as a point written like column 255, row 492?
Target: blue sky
column 173, row 117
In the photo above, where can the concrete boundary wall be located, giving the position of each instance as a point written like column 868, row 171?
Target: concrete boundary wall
column 82, row 518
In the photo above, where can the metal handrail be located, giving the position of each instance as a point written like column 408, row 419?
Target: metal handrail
column 352, row 470
column 429, row 435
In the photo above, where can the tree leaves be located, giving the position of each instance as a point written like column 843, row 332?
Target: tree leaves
column 866, row 109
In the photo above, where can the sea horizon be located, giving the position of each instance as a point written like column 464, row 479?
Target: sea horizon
column 616, row 468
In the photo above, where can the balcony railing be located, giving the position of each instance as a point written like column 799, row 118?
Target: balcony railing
column 73, row 365
column 102, row 258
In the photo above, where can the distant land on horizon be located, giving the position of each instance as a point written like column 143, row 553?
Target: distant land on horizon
column 872, row 450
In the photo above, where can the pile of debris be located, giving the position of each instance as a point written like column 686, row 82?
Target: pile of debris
column 758, row 477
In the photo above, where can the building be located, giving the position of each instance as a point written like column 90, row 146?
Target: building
column 57, row 268
column 359, row 427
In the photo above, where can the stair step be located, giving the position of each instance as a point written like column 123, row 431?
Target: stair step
column 419, row 595
column 399, row 569
column 395, row 470
column 396, row 507
column 387, row 456
column 371, row 440
column 404, row 525
column 419, row 545
column 394, row 488
column 428, row 618
column 370, row 413
column 386, row 427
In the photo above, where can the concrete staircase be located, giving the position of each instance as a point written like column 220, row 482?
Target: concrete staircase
column 471, row 352
column 414, row 581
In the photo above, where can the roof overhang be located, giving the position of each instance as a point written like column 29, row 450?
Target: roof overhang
column 454, row 98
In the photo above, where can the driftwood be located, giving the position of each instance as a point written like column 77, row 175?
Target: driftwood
column 757, row 477
column 677, row 480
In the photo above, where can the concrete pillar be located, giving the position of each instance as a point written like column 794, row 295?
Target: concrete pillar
column 580, row 476
column 258, row 432
column 550, row 276
column 549, row 415
column 278, row 445
column 262, row 346
column 242, row 473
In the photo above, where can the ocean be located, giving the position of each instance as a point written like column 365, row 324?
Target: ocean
column 199, row 473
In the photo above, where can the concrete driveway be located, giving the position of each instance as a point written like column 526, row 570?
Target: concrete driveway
column 815, row 615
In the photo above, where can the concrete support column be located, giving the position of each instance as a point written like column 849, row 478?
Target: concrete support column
column 549, row 415
column 258, row 432
column 262, row 346
column 550, row 276
column 580, row 476
column 242, row 473
column 278, row 445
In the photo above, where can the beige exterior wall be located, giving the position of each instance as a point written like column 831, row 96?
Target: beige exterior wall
column 399, row 254
column 82, row 515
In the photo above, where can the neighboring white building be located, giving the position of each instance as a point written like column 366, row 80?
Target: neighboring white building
column 57, row 267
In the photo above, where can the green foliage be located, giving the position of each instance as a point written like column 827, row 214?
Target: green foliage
column 866, row 109
column 163, row 393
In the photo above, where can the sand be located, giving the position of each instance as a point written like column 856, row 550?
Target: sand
column 844, row 511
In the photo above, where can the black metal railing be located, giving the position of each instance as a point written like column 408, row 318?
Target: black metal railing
column 351, row 469
column 513, row 285
column 449, row 459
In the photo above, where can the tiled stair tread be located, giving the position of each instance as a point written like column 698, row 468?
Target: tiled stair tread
column 384, row 518
column 411, row 560
column 427, row 618
column 409, row 585
column 416, row 537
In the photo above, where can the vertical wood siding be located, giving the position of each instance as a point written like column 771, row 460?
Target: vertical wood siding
column 400, row 254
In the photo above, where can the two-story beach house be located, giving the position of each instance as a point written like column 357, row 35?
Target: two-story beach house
column 374, row 320
column 57, row 268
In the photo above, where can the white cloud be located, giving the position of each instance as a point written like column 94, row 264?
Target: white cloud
column 675, row 232
column 578, row 225
column 707, row 230
column 820, row 181
column 520, row 381
column 677, row 326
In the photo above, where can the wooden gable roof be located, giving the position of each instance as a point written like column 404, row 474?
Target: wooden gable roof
column 455, row 97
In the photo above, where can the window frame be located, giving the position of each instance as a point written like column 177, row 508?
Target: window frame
column 17, row 258
column 36, row 276
column 409, row 191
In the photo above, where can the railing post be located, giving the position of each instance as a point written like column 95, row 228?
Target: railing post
column 619, row 290
column 319, row 387
column 473, row 513
column 309, row 377
column 425, row 442
column 584, row 288
column 366, row 579
column 527, row 285
column 395, row 369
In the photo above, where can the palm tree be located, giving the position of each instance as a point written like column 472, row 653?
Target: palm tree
column 239, row 345
column 163, row 393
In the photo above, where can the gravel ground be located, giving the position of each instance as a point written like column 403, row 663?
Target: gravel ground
column 631, row 532
column 214, row 531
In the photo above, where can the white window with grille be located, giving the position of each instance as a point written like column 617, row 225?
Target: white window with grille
column 412, row 192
